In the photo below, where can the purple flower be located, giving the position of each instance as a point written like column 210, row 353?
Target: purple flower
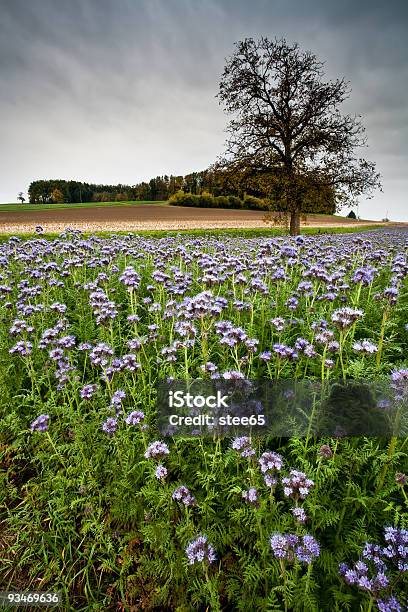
column 110, row 425
column 57, row 307
column 135, row 417
column 270, row 480
column 374, row 553
column 40, row 423
column 209, row 367
column 100, row 354
column 117, row 398
column 102, row 306
column 130, row 278
column 160, row 472
column 84, row 346
column 364, row 275
column 401, row 479
column 199, row 551
column 130, row 362
column 243, row 444
column 333, row 346
column 19, row 327
column 343, row 318
column 156, row 449
column 397, row 547
column 391, row 604
column 324, row 336
column 395, row 551
column 391, row 294
column 308, row 550
column 365, row 346
column 285, row 352
column 300, row 515
column 297, row 485
column 67, row 342
column 88, row 391
column 292, row 303
column 270, row 462
column 56, row 354
column 283, row 545
column 251, row 495
column 278, row 323
column 305, row 347
column 233, row 375
column 183, row 495
column 399, row 375
column 22, row 347
column 305, row 287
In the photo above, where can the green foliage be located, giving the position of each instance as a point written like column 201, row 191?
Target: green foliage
column 253, row 203
column 58, row 190
column 206, row 200
column 83, row 512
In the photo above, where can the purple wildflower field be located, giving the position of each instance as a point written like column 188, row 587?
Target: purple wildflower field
column 95, row 503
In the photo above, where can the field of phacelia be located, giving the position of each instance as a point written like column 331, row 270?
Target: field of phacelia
column 98, row 505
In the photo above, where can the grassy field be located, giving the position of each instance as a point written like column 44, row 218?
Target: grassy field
column 13, row 207
column 233, row 233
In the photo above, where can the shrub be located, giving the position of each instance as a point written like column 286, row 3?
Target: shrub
column 234, row 202
column 183, row 199
column 206, row 200
column 253, row 203
column 121, row 197
column 222, row 202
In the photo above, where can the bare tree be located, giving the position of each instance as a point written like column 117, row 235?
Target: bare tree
column 286, row 122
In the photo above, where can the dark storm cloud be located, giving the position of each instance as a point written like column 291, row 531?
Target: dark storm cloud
column 121, row 90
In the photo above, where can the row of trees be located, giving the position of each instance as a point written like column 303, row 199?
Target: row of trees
column 218, row 180
column 59, row 191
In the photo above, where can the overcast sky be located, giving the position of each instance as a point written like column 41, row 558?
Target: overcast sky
column 116, row 91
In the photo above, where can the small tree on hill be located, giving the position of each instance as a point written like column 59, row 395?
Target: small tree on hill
column 286, row 118
column 21, row 197
column 352, row 215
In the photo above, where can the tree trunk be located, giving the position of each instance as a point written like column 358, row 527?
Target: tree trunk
column 294, row 229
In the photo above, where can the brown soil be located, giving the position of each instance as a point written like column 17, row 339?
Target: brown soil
column 147, row 217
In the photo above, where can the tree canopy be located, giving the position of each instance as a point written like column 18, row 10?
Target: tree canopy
column 286, row 124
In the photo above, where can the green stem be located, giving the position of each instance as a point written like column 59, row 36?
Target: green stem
column 285, row 582
column 381, row 340
column 391, row 449
column 47, row 433
column 309, row 572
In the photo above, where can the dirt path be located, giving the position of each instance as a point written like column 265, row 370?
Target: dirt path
column 147, row 217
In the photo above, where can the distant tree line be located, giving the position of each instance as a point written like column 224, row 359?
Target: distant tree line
column 231, row 186
column 60, row 191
